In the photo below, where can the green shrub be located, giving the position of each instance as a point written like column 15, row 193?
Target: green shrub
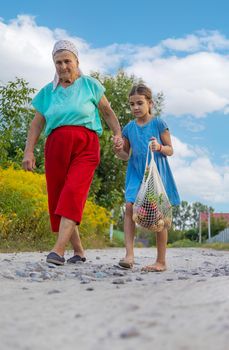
column 24, row 212
column 183, row 243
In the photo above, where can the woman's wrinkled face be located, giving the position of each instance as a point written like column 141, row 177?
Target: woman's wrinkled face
column 139, row 105
column 66, row 65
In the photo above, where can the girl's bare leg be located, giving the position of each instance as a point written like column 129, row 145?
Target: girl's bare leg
column 129, row 230
column 160, row 264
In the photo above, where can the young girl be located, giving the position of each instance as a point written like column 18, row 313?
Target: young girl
column 136, row 135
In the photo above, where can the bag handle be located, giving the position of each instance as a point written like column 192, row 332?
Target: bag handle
column 152, row 161
column 153, row 167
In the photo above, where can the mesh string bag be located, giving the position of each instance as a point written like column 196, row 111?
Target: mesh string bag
column 152, row 209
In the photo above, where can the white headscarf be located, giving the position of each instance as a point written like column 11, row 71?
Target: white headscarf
column 63, row 45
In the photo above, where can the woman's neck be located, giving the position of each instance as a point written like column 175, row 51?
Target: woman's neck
column 66, row 83
column 69, row 81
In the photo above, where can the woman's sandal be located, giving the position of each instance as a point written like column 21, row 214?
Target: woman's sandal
column 153, row 268
column 75, row 259
column 126, row 264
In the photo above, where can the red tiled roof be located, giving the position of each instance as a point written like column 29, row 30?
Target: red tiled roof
column 204, row 216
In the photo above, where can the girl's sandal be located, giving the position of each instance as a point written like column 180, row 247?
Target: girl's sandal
column 126, row 264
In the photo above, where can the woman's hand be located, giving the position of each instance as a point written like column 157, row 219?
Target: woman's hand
column 118, row 143
column 121, row 147
column 37, row 124
column 29, row 162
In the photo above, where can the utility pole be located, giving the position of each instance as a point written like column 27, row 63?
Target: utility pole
column 209, row 223
column 111, row 225
column 200, row 229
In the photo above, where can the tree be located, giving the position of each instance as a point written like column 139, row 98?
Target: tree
column 186, row 215
column 217, row 225
column 182, row 215
column 186, row 218
column 198, row 208
column 192, row 234
column 15, row 116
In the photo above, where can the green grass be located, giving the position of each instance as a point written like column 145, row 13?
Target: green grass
column 217, row 246
column 186, row 243
column 21, row 246
column 47, row 244
column 118, row 241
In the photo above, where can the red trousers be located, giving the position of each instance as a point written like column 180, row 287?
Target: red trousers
column 72, row 154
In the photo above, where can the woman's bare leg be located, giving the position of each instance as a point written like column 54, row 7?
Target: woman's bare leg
column 66, row 230
column 76, row 243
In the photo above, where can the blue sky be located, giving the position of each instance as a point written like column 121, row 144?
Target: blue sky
column 178, row 47
column 103, row 22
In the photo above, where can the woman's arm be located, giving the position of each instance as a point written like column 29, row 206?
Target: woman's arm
column 34, row 132
column 109, row 116
column 166, row 147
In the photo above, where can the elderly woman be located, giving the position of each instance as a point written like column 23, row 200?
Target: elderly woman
column 69, row 108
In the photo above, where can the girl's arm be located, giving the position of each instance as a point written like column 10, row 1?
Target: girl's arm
column 35, row 129
column 166, row 147
column 124, row 152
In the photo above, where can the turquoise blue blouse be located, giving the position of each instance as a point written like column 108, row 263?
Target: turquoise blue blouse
column 75, row 105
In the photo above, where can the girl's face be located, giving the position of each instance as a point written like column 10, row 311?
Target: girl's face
column 140, row 106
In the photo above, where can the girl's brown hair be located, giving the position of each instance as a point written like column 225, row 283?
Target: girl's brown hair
column 142, row 89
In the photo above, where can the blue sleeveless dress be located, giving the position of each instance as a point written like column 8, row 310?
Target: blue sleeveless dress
column 139, row 137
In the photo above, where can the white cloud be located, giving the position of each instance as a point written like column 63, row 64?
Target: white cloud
column 202, row 40
column 195, row 83
column 192, row 124
column 26, row 50
column 213, row 40
column 192, row 72
column 197, row 177
column 181, row 149
column 190, row 43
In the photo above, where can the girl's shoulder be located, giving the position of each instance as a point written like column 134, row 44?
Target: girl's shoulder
column 129, row 125
column 155, row 120
column 127, row 130
column 159, row 123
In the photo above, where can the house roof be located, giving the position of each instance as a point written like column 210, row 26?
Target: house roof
column 204, row 216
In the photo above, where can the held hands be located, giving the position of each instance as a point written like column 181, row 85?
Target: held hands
column 155, row 146
column 29, row 162
column 118, row 143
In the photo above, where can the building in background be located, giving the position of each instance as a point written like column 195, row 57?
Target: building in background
column 204, row 216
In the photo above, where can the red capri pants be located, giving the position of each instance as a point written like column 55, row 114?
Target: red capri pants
column 72, row 154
